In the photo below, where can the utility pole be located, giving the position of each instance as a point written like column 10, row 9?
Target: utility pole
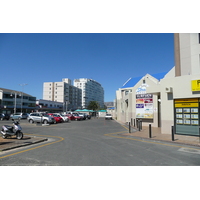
column 22, row 84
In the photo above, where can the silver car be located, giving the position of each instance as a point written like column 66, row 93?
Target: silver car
column 15, row 116
column 38, row 117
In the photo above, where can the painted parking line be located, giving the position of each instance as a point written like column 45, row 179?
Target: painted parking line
column 60, row 139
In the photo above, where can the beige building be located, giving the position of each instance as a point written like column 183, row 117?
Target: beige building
column 63, row 92
column 171, row 100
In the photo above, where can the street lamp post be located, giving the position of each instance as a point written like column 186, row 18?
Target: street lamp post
column 15, row 93
column 23, row 84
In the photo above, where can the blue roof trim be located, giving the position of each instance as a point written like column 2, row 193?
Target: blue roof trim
column 159, row 76
column 133, row 81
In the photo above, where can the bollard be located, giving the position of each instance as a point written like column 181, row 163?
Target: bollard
column 150, row 131
column 134, row 122
column 137, row 121
column 140, row 124
column 129, row 124
column 172, row 133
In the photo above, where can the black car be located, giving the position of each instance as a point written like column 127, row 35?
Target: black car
column 4, row 116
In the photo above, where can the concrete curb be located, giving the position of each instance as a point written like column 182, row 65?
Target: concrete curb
column 25, row 144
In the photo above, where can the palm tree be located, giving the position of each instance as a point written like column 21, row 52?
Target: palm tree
column 93, row 105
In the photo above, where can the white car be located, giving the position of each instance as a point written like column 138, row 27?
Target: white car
column 64, row 117
column 108, row 116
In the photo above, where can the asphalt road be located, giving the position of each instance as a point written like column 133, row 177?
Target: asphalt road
column 96, row 142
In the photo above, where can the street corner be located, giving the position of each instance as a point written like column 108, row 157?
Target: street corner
column 12, row 142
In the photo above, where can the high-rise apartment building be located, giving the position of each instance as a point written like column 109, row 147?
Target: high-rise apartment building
column 91, row 91
column 63, row 92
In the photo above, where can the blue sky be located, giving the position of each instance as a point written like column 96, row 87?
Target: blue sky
column 108, row 58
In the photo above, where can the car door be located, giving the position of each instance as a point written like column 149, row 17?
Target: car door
column 37, row 117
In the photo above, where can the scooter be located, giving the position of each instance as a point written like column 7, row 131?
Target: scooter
column 15, row 129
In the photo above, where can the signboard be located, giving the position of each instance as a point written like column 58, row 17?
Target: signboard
column 186, row 100
column 195, row 85
column 181, row 105
column 186, row 111
column 144, row 106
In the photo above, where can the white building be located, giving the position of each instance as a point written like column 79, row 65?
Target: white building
column 170, row 99
column 12, row 101
column 91, row 91
column 63, row 92
column 52, row 106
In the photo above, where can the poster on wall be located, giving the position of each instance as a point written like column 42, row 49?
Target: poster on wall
column 144, row 106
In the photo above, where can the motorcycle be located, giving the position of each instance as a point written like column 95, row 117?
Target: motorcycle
column 15, row 129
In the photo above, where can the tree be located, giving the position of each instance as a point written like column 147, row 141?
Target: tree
column 93, row 105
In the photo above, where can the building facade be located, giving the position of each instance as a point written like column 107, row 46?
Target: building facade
column 12, row 101
column 63, row 92
column 91, row 91
column 171, row 100
column 50, row 106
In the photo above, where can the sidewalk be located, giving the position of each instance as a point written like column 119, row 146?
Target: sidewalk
column 12, row 143
column 156, row 135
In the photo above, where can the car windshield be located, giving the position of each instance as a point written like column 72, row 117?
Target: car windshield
column 108, row 114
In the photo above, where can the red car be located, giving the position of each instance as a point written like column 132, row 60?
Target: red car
column 56, row 117
column 71, row 117
column 77, row 117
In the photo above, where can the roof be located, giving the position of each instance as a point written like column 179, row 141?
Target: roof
column 85, row 110
column 10, row 91
column 133, row 81
column 102, row 110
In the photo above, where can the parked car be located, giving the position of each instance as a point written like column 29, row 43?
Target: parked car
column 83, row 115
column 4, row 116
column 15, row 116
column 57, row 118
column 71, row 117
column 23, row 115
column 88, row 116
column 64, row 117
column 108, row 116
column 42, row 118
column 77, row 117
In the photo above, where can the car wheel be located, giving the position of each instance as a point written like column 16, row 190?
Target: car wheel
column 31, row 121
column 45, row 121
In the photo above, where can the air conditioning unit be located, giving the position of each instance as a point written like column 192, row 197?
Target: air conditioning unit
column 168, row 89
